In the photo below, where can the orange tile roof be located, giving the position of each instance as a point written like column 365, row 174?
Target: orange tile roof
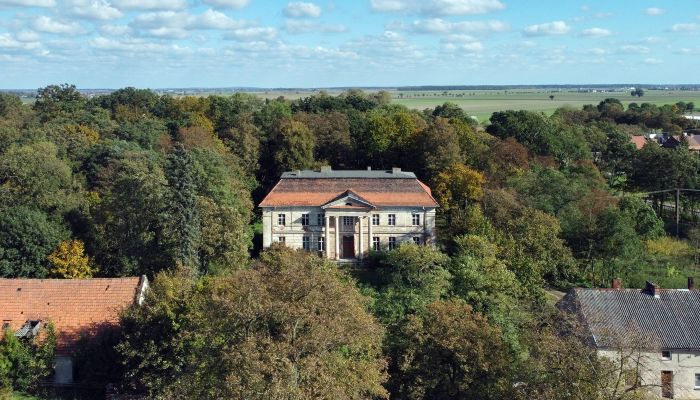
column 75, row 306
column 378, row 191
column 639, row 141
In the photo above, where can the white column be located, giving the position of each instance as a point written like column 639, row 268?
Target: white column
column 369, row 232
column 359, row 253
column 337, row 238
column 326, row 243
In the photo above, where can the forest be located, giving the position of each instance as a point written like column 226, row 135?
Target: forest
column 531, row 205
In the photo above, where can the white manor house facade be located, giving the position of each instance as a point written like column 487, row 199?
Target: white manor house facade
column 343, row 214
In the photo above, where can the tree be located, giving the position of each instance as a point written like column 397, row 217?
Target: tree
column 292, row 147
column 9, row 103
column 452, row 352
column 33, row 174
column 27, row 237
column 439, row 147
column 183, row 229
column 69, row 261
column 25, row 362
column 58, row 101
column 292, row 327
column 457, row 186
column 639, row 92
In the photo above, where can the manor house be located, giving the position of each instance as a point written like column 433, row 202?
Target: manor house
column 343, row 214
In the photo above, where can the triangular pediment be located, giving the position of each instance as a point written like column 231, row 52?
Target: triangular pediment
column 348, row 199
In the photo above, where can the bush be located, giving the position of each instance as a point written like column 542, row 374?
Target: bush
column 25, row 362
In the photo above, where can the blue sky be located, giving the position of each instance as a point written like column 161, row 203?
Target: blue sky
column 320, row 43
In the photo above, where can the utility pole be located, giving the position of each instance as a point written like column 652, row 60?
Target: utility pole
column 678, row 212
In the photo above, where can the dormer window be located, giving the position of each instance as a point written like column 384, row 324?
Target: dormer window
column 348, row 204
column 666, row 355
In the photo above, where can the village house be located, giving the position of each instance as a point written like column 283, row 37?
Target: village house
column 75, row 307
column 343, row 214
column 662, row 324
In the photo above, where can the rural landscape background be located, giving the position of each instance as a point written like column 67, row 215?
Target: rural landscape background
column 561, row 141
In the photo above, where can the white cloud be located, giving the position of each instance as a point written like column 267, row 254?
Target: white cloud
column 596, row 51
column 464, row 44
column 28, row 36
column 114, row 30
column 547, row 29
column 94, row 9
column 596, row 32
column 46, row 24
column 299, row 9
column 234, row 4
column 634, row 49
column 685, row 27
column 253, row 34
column 209, row 19
column 28, row 3
column 441, row 26
column 653, row 61
column 150, row 4
column 438, row 7
column 295, row 27
column 651, row 40
column 654, row 11
column 167, row 33
column 687, row 51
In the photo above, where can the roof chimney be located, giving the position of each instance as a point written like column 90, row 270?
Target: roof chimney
column 616, row 283
column 326, row 168
column 395, row 170
column 691, row 283
column 369, row 168
column 653, row 289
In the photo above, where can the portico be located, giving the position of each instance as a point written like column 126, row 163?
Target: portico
column 350, row 214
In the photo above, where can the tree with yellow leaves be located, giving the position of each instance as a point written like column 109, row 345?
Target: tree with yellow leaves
column 69, row 261
column 457, row 186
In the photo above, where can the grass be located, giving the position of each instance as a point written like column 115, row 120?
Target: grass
column 482, row 104
column 667, row 262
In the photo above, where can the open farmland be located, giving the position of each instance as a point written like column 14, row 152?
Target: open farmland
column 482, row 103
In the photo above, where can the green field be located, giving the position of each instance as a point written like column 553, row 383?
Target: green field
column 482, row 104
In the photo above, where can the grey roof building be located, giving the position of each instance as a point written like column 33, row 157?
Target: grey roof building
column 666, row 318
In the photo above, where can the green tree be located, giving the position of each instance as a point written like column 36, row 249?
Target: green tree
column 292, row 327
column 27, row 237
column 439, row 148
column 452, row 352
column 182, row 221
column 25, row 362
column 457, row 186
column 410, row 277
column 292, row 146
column 58, row 101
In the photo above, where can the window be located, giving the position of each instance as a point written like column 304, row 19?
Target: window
column 5, row 325
column 321, row 245
column 282, row 239
column 348, row 221
column 375, row 243
column 416, row 240
column 392, row 243
column 348, row 204
column 319, row 219
column 281, row 219
column 392, row 219
column 375, row 219
column 305, row 219
column 697, row 381
column 415, row 219
column 666, row 355
column 306, row 243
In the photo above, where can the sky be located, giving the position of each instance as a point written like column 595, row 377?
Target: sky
column 331, row 43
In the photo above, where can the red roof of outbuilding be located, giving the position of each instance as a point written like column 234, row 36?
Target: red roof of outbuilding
column 378, row 191
column 74, row 306
column 639, row 141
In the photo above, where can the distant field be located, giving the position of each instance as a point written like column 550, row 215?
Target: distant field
column 482, row 104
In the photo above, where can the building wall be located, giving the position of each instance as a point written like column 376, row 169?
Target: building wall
column 293, row 231
column 683, row 364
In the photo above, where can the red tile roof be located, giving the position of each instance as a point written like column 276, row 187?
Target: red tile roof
column 639, row 141
column 378, row 191
column 75, row 306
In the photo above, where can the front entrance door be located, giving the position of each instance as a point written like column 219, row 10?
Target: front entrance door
column 667, row 384
column 348, row 247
